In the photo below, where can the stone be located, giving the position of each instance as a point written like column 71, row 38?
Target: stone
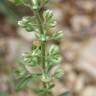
column 78, row 22
column 87, row 5
column 89, row 91
column 80, row 83
column 87, row 61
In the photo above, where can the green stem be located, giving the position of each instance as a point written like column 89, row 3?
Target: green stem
column 43, row 47
column 43, row 43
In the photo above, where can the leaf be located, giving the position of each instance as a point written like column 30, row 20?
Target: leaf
column 53, row 56
column 49, row 18
column 26, row 80
column 46, row 78
column 19, row 73
column 53, row 50
column 28, row 23
column 58, row 74
column 35, row 4
column 54, row 59
column 32, row 58
column 45, row 92
column 65, row 94
column 57, row 35
column 22, row 83
column 20, row 70
column 17, row 2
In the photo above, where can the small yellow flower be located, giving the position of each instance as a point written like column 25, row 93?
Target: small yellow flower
column 35, row 44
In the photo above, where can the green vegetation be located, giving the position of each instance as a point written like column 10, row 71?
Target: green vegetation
column 43, row 56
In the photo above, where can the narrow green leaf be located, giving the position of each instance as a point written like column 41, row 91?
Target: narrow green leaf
column 22, row 83
column 59, row 73
column 17, row 2
column 26, row 80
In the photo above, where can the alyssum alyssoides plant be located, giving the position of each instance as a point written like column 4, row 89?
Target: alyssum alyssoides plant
column 43, row 56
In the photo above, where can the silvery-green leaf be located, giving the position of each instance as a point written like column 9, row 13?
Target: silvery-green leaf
column 59, row 73
column 49, row 18
column 42, row 38
column 52, row 23
column 19, row 73
column 45, row 78
column 23, row 82
column 53, row 56
column 57, row 35
column 53, row 49
column 17, row 2
column 55, row 59
column 28, row 23
column 32, row 58
column 48, row 14
column 35, row 5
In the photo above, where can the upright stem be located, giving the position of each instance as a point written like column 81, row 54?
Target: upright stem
column 43, row 45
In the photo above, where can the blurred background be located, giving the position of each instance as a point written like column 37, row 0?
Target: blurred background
column 77, row 19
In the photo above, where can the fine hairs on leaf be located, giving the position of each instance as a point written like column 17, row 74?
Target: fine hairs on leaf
column 46, row 57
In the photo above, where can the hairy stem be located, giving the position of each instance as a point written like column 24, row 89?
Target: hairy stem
column 43, row 47
column 43, row 43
